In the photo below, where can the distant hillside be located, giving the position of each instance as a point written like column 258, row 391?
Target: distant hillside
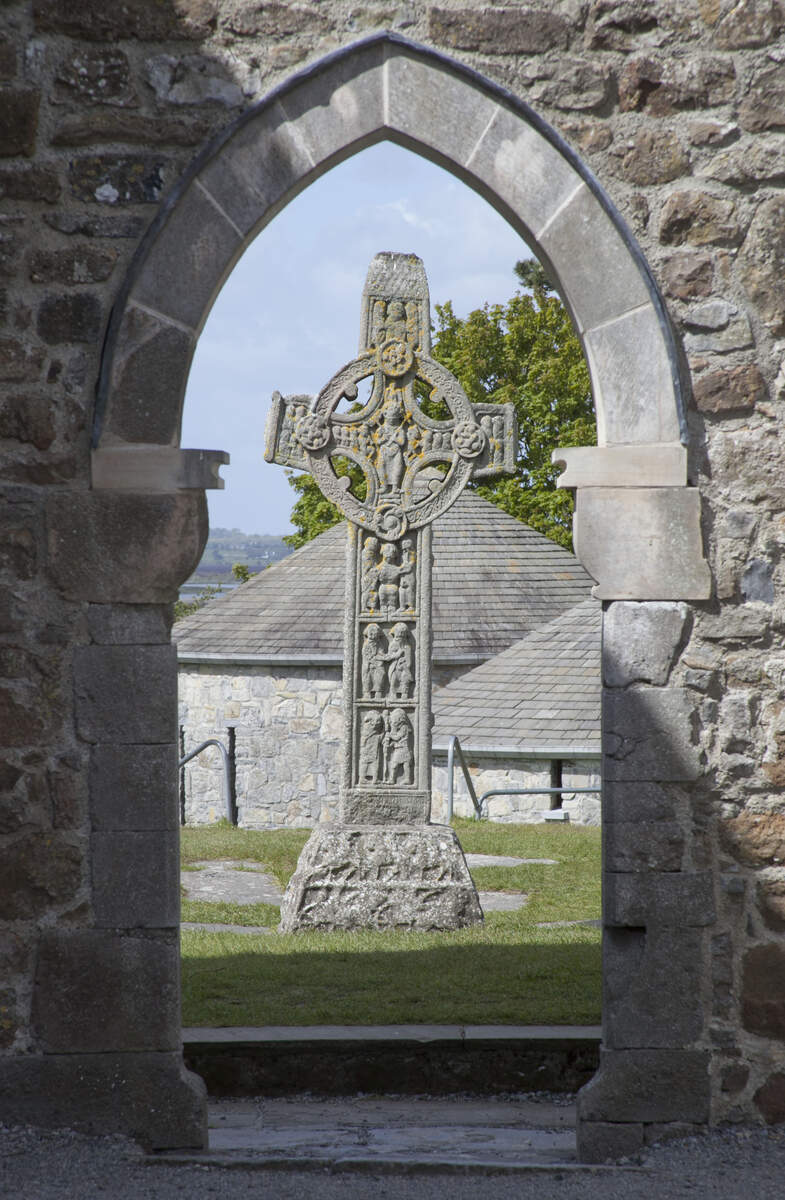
column 225, row 547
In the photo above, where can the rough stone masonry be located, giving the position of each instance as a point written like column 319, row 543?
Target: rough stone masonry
column 638, row 146
column 384, row 865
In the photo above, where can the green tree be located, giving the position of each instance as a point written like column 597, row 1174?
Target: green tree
column 313, row 512
column 242, row 572
column 524, row 352
column 185, row 608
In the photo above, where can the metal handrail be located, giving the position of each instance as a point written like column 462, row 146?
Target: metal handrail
column 544, row 791
column 454, row 745
column 227, row 788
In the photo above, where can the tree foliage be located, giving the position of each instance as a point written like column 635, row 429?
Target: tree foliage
column 242, row 572
column 185, row 608
column 524, row 352
column 313, row 512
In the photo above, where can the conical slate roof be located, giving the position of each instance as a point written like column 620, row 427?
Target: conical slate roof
column 495, row 580
column 543, row 693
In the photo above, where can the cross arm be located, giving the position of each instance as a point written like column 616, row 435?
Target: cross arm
column 281, row 443
column 501, row 448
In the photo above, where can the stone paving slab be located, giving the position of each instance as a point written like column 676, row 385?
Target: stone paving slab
column 372, row 1133
column 258, row 930
column 591, row 924
column 506, row 860
column 234, row 882
column 502, row 901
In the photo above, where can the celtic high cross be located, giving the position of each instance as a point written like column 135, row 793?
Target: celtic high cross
column 414, row 466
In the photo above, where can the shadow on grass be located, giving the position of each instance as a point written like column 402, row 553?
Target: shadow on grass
column 541, row 979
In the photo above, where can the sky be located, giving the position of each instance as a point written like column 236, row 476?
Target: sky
column 288, row 317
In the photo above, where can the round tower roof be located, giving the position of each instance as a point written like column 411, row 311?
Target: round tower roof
column 494, row 581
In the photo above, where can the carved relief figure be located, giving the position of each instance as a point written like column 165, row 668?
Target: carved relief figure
column 395, row 326
column 498, row 434
column 401, row 662
column 388, row 577
column 284, row 439
column 390, row 439
column 377, row 330
column 413, row 441
column 370, row 755
column 369, row 575
column 374, row 662
column 397, row 751
column 413, row 324
column 406, row 596
column 365, row 442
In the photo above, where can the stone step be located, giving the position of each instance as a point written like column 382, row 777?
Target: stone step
column 381, row 1135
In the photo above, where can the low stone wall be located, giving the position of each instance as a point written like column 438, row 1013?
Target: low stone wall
column 514, row 772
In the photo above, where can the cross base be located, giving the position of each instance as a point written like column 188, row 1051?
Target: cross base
column 381, row 877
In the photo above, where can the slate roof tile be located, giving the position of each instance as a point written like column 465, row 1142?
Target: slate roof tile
column 552, row 677
column 495, row 580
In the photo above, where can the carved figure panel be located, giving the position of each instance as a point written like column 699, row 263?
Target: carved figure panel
column 387, row 662
column 388, row 572
column 385, row 751
column 374, row 663
column 369, row 575
column 372, row 734
column 400, row 659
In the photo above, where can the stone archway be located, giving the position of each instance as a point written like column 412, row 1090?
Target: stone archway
column 631, row 489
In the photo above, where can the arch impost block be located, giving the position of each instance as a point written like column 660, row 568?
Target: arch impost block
column 143, row 468
column 642, row 543
column 661, row 464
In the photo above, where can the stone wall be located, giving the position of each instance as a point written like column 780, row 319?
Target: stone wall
column 288, row 726
column 491, row 772
column 288, row 730
column 676, row 106
column 288, row 723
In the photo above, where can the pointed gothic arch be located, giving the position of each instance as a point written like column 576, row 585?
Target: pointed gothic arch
column 386, row 87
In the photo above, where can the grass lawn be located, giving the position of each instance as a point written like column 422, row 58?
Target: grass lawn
column 506, row 971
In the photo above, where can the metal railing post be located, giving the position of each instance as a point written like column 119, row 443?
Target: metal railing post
column 227, row 785
column 452, row 746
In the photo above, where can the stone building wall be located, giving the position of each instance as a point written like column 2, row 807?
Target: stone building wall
column 288, row 729
column 677, row 108
column 288, row 726
column 288, row 723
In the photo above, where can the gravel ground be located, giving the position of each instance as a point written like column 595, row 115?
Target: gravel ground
column 724, row 1165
